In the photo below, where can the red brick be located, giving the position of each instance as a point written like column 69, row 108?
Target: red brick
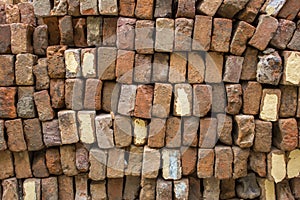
column 233, row 69
column 106, row 63
column 22, row 164
column 3, row 145
column 109, row 31
column 98, row 190
column 186, row 8
column 74, row 94
column 92, row 98
column 265, row 30
column 188, row 160
column 2, row 14
column 143, row 101
column 7, row 72
column 208, row 133
column 240, row 160
column 57, row 93
column 14, row 130
column 219, row 98
column 68, row 160
column 115, row 163
column 23, row 69
column 144, row 9
column 126, row 8
column 214, row 67
column 286, row 134
column 251, row 10
column 202, row 100
column 223, row 162
column 183, row 34
column 27, row 15
column 224, row 128
column 144, row 32
column 157, row 131
column 53, row 30
column 142, row 68
column 39, row 168
column 163, row 8
column 5, row 35
column 81, row 186
column 209, row 7
column 257, row 163
column 244, row 130
column 177, row 70
column 6, row 164
column 21, row 38
column 288, row 103
column 42, row 102
column 289, row 10
column 283, row 34
column 220, row 39
column 40, row 71
column 164, row 37
column 82, row 158
column 125, row 33
column 298, row 104
column 56, row 64
column 115, row 188
column 196, row 67
column 229, row 8
column 33, row 134
column 65, row 189
column 79, row 25
column 252, row 92
column 51, row 133
column 190, row 131
column 173, row 132
column 122, row 131
column 124, row 66
column 12, row 13
column 202, row 33
column 49, row 188
column 127, row 100
column 205, row 163
column 263, row 136
column 40, row 40
column 53, row 161
column 66, row 31
column 234, row 98
column 249, row 64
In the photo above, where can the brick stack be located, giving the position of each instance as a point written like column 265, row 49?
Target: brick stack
column 143, row 99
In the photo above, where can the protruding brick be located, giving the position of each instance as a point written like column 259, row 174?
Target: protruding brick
column 51, row 133
column 196, row 67
column 181, row 189
column 263, row 136
column 23, row 69
column 10, row 189
column 5, row 33
column 68, row 160
column 224, row 128
column 288, row 103
column 32, row 188
column 283, row 34
column 88, row 63
column 183, row 34
column 249, row 64
column 68, row 126
column 66, row 31
column 291, row 69
column 40, row 71
column 163, row 8
column 186, row 9
column 211, row 188
column 107, row 57
column 114, row 188
column 270, row 103
column 74, row 94
column 122, row 131
column 22, row 164
column 7, row 102
column 214, row 67
column 220, row 39
column 42, row 102
column 252, row 92
column 21, row 38
column 115, row 163
column 292, row 168
column 7, row 72
column 257, row 163
column 140, row 131
column 57, row 93
column 56, row 64
column 240, row 160
column 143, row 102
column 65, row 189
column 127, row 99
column 244, row 130
column 39, row 168
column 143, row 68
column 144, row 33
column 163, row 189
column 6, row 164
column 286, row 134
column 98, row 162
column 53, row 161
column 234, row 99
column 276, row 165
column 173, row 132
column 209, row 7
column 251, row 9
column 229, row 8
column 124, row 66
column 126, row 8
column 104, row 131
column 189, row 160
column 144, row 9
column 98, row 190
column 132, row 187
column 49, row 188
column 265, row 30
column 223, row 163
column 171, row 164
column 157, row 131
column 183, row 100
column 135, row 161
column 109, row 31
column 164, row 37
column 190, row 131
column 33, row 134
column 125, row 33
column 40, row 40
column 208, row 133
column 108, row 7
column 89, row 7
column 14, row 130
column 267, row 188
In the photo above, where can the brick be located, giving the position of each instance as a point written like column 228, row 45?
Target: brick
column 98, row 162
column 143, row 101
column 74, row 94
column 49, row 188
column 134, row 163
column 25, row 105
column 209, row 7
column 10, row 189
column 160, row 67
column 122, row 131
column 196, row 67
column 270, row 103
column 115, row 188
column 86, row 120
column 21, row 38
column 22, row 164
column 60, row 8
column 42, row 81
column 7, row 72
column 164, row 36
column 227, row 187
column 27, row 15
column 88, row 63
column 12, row 13
column 65, row 189
column 244, row 130
column 148, row 189
column 177, row 70
column 249, row 64
column 283, row 190
column 6, row 164
column 234, row 98
column 157, row 131
column 107, row 57
column 82, row 158
column 224, row 128
column 14, row 130
column 202, row 99
column 288, row 103
column 56, row 65
column 5, row 32
column 290, row 69
column 41, row 8
column 229, row 8
column 163, row 8
column 68, row 160
column 247, row 187
column 220, row 39
column 51, row 133
column 182, row 100
column 94, row 30
column 33, row 134
column 151, row 162
column 286, row 134
column 263, row 136
column 124, row 66
column 104, row 131
column 248, row 14
column 108, row 7
column 73, row 7
column 32, row 188
column 264, row 32
column 190, row 131
column 162, row 100
column 127, row 99
column 80, row 27
column 144, row 32
column 126, row 8
column 89, row 7
column 194, row 188
column 214, row 67
column 92, row 98
column 186, row 9
column 183, row 34
column 81, row 186
column 163, row 189
column 223, row 162
column 202, row 32
column 23, row 69
column 293, row 164
column 132, row 186
column 115, row 163
column 289, row 10
column 142, row 69
column 189, row 160
column 219, row 98
column 98, row 190
column 257, row 163
column 252, row 92
column 66, row 31
column 272, row 7
column 267, row 188
column 42, row 102
column 39, row 168
column 3, row 145
column 295, row 187
column 53, row 30
column 171, row 164
column 125, row 33
column 276, row 165
column 57, row 93
column 2, row 14
column 233, row 69
column 109, row 31
column 144, row 9
column 240, row 159
column 173, row 132
column 140, row 131
column 53, row 161
column 181, row 189
column 211, row 188
column 68, row 126
column 208, row 133
column 40, row 40
column 283, row 34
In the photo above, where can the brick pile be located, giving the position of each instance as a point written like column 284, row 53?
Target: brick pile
column 143, row 99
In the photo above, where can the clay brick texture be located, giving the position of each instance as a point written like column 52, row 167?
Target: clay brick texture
column 149, row 99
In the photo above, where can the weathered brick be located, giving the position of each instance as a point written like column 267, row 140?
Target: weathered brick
column 182, row 100
column 272, row 7
column 104, row 131
column 183, row 34
column 135, row 160
column 108, row 7
column 249, row 64
column 5, row 35
column 202, row 33
column 23, row 69
column 202, row 100
column 2, row 14
column 229, row 8
column 196, row 67
column 125, row 33
column 109, row 31
column 223, row 163
column 286, row 134
column 290, row 69
column 289, row 10
column 292, row 168
column 144, row 9
column 122, row 131
column 49, row 188
column 56, row 65
column 251, row 10
column 25, row 105
column 270, row 103
column 163, row 8
column 148, row 189
column 295, row 187
column 98, row 162
column 79, row 27
column 42, row 102
column 40, row 40
column 283, row 34
column 252, row 92
column 53, row 30
column 124, row 66
column 68, row 160
column 33, row 134
column 163, row 189
column 39, row 168
column 32, row 188
column 214, row 67
column 143, row 101
column 220, row 39
column 227, row 187
column 173, row 132
column 21, row 38
column 12, row 13
column 82, row 158
column 142, row 69
column 211, row 188
column 190, row 131
column 283, row 190
column 171, row 164
column 233, row 69
column 164, row 36
column 41, row 8
column 157, row 131
column 219, row 98
column 127, row 99
column 181, row 189
column 65, row 187
column 276, row 165
column 53, row 161
column 3, row 145
column 51, row 133
column 59, row 8
column 126, row 8
column 94, row 30
column 107, row 57
column 209, row 7
column 7, row 71
column 6, row 164
column 57, row 93
column 86, row 120
column 267, row 188
column 160, row 68
column 98, row 190
column 22, row 164
column 189, row 160
column 74, row 94
column 68, row 126
column 151, row 162
column 264, row 32
column 92, row 98
column 240, row 160
column 40, row 71
column 288, row 103
column 144, row 32
column 66, row 31
column 257, row 163
column 140, row 131
column 73, row 7
column 88, row 63
column 177, row 70
column 208, row 133
column 27, row 15
column 10, row 189
column 234, row 98
column 89, row 7
column 247, row 187
column 224, row 128
column 14, row 130
column 114, row 188
column 263, row 136
column 244, row 130
column 186, row 9
column 115, row 163
column 132, row 187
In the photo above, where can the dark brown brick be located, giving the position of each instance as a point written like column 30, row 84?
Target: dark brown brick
column 14, row 130
column 33, row 134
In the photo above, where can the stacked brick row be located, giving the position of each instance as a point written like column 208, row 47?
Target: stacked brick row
column 143, row 99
